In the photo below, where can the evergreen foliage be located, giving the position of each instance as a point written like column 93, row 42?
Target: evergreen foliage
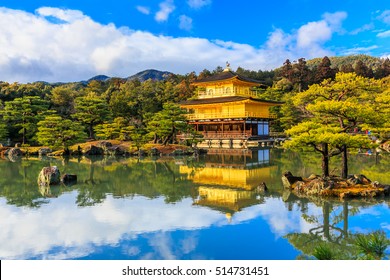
column 56, row 132
column 24, row 113
column 337, row 111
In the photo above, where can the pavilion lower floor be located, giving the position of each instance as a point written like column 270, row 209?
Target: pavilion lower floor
column 233, row 129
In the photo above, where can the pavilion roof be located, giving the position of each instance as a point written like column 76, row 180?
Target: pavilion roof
column 226, row 75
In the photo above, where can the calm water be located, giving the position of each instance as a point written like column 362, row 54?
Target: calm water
column 179, row 208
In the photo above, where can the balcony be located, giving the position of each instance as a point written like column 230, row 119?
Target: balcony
column 213, row 116
column 224, row 92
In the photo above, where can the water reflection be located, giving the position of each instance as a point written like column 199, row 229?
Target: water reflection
column 229, row 180
column 183, row 208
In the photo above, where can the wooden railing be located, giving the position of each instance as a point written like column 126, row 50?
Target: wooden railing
column 203, row 94
column 217, row 135
column 211, row 116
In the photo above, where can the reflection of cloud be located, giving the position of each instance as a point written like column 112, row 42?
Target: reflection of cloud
column 162, row 243
column 189, row 244
column 385, row 226
column 279, row 218
column 62, row 224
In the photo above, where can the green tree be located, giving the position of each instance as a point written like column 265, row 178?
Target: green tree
column 327, row 140
column 165, row 124
column 56, row 132
column 119, row 129
column 3, row 131
column 63, row 98
column 91, row 111
column 25, row 113
column 348, row 104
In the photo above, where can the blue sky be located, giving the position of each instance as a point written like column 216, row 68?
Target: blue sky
column 72, row 40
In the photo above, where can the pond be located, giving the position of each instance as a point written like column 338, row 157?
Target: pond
column 199, row 208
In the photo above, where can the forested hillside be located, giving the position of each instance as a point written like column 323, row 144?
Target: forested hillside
column 129, row 109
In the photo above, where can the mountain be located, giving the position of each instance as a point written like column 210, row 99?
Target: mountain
column 101, row 78
column 150, row 74
column 142, row 76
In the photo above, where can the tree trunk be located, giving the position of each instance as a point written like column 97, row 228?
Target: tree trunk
column 24, row 136
column 325, row 160
column 344, row 159
column 91, row 136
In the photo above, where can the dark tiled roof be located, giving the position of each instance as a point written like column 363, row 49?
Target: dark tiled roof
column 225, row 75
column 225, row 100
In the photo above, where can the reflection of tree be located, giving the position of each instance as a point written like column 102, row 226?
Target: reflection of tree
column 18, row 183
column 329, row 237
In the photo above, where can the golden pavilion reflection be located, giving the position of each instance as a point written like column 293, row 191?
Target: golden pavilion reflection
column 229, row 180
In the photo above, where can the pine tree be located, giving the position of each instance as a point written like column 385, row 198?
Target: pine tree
column 25, row 113
column 341, row 107
column 165, row 124
column 91, row 111
column 56, row 132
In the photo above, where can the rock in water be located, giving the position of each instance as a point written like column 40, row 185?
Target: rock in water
column 69, row 179
column 49, row 176
column 288, row 179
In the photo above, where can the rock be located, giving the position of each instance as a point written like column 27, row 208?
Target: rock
column 94, row 151
column 104, row 144
column 14, row 152
column 44, row 151
column 386, row 190
column 140, row 153
column 262, row 187
column 313, row 176
column 178, row 152
column 49, row 176
column 154, row 152
column 114, row 151
column 358, row 179
column 69, row 179
column 288, row 179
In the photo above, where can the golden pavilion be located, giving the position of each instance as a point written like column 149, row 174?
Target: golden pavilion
column 227, row 112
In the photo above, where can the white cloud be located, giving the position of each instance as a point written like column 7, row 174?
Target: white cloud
column 166, row 8
column 365, row 27
column 385, row 17
column 74, row 47
column 311, row 36
column 197, row 4
column 65, row 15
column 384, row 34
column 358, row 50
column 185, row 22
column 144, row 10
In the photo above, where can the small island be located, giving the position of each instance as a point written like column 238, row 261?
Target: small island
column 355, row 186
